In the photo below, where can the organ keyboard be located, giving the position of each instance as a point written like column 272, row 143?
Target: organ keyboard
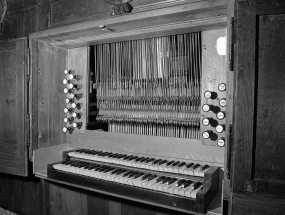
column 176, row 184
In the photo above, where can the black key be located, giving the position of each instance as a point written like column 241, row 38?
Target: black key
column 92, row 167
column 108, row 170
column 138, row 175
column 162, row 162
column 180, row 182
column 165, row 180
column 196, row 185
column 171, row 181
column 181, row 164
column 80, row 150
column 115, row 171
column 186, row 183
column 134, row 157
column 103, row 168
column 88, row 152
column 146, row 176
column 139, row 159
column 149, row 160
column 169, row 163
column 111, row 155
column 125, row 158
column 196, row 166
column 143, row 160
column 132, row 174
column 121, row 156
column 128, row 173
column 121, row 171
column 86, row 167
column 116, row 155
column 65, row 162
column 160, row 179
column 204, row 167
column 176, row 163
column 100, row 153
column 157, row 161
column 73, row 164
column 93, row 152
column 104, row 154
column 151, row 177
column 99, row 168
column 81, row 165
column 189, row 165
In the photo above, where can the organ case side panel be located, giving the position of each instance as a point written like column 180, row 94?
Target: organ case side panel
column 50, row 96
column 13, row 107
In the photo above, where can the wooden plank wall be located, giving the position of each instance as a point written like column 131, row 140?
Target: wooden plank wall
column 270, row 134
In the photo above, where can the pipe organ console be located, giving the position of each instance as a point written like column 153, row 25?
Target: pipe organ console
column 182, row 185
column 145, row 120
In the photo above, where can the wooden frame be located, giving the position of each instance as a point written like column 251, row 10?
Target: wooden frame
column 64, row 41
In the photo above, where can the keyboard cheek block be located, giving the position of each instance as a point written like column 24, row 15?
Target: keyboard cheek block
column 180, row 203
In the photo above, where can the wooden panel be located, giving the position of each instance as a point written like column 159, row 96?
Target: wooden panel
column 67, row 11
column 51, row 99
column 20, row 195
column 270, row 129
column 255, row 204
column 14, row 5
column 69, row 200
column 62, row 200
column 244, row 94
column 20, row 23
column 13, row 107
column 213, row 73
column 44, row 15
column 270, row 7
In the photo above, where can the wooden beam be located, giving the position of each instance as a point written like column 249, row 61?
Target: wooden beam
column 244, row 94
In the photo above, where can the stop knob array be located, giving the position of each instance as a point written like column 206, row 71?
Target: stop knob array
column 73, row 105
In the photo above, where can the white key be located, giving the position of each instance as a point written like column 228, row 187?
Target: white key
column 151, row 182
column 154, row 186
column 194, row 193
